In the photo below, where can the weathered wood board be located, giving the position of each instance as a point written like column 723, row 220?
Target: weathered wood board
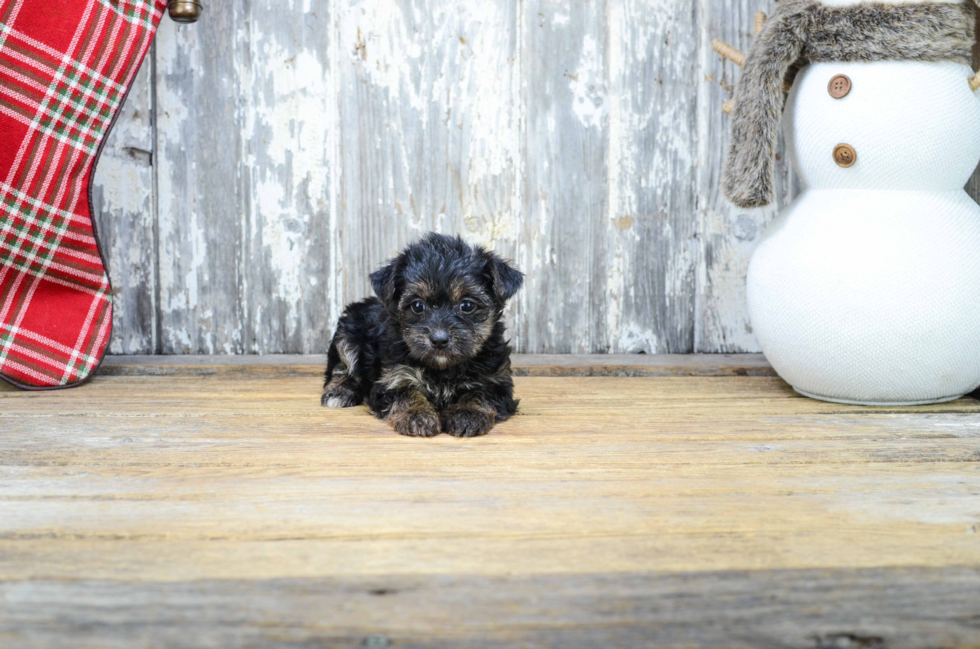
column 276, row 152
column 177, row 506
column 807, row 609
column 124, row 205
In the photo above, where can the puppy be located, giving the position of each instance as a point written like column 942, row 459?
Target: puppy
column 428, row 354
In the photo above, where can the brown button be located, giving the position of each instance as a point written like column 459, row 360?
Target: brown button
column 844, row 155
column 839, row 86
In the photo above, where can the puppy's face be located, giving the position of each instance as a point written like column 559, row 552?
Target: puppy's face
column 446, row 297
column 445, row 317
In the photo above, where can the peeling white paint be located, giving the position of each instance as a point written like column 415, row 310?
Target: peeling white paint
column 376, row 35
column 288, row 150
column 588, row 85
column 633, row 340
column 123, row 193
column 622, row 202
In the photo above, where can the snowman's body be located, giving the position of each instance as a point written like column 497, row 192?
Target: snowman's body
column 866, row 289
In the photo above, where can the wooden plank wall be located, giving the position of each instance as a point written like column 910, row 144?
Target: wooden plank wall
column 273, row 154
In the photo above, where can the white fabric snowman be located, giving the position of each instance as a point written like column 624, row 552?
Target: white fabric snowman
column 866, row 289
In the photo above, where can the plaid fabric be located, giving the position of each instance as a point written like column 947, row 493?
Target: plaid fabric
column 65, row 67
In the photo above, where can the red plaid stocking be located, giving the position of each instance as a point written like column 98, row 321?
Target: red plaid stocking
column 65, row 67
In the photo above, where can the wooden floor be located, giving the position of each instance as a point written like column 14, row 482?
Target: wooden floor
column 181, row 503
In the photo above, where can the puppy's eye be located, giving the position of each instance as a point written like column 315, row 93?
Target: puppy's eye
column 467, row 306
column 417, row 306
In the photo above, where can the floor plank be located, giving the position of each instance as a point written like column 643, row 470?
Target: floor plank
column 822, row 609
column 676, row 509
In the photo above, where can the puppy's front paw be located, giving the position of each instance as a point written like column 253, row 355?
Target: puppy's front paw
column 338, row 396
column 424, row 423
column 466, row 423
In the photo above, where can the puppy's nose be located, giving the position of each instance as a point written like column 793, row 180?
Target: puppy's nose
column 439, row 338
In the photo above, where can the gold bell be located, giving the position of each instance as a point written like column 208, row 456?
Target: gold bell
column 184, row 11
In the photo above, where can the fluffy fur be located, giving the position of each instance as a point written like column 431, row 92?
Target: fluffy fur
column 428, row 354
column 801, row 31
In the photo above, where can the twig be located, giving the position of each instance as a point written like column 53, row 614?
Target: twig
column 728, row 52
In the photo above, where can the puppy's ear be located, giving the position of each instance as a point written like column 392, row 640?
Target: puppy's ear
column 383, row 282
column 506, row 280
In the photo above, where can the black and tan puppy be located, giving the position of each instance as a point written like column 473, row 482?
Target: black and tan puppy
column 428, row 354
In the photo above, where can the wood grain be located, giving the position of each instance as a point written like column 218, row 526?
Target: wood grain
column 566, row 185
column 124, row 207
column 727, row 234
column 769, row 519
column 202, row 185
column 647, row 244
column 823, row 609
column 288, row 114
